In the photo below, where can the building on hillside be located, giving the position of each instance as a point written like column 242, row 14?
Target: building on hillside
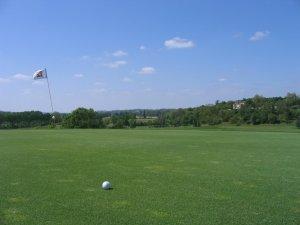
column 238, row 104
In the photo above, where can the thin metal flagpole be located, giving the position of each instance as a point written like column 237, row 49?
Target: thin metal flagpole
column 49, row 92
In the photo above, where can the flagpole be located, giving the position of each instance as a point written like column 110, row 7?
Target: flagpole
column 49, row 92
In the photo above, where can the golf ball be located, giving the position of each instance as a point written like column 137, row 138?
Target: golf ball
column 106, row 185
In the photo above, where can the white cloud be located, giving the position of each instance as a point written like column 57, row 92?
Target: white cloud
column 20, row 76
column 177, row 42
column 4, row 80
column 85, row 57
column 126, row 79
column 147, row 70
column 142, row 47
column 259, row 35
column 115, row 64
column 237, row 35
column 119, row 53
column 98, row 83
column 222, row 79
column 98, row 91
column 90, row 59
column 37, row 82
column 79, row 75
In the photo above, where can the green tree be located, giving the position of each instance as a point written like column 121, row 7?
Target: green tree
column 298, row 122
column 83, row 118
column 132, row 123
column 272, row 118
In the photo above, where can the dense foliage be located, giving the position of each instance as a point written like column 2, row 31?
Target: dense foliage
column 83, row 118
column 298, row 122
column 24, row 119
column 256, row 110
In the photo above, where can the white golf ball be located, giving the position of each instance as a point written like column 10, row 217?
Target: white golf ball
column 106, row 185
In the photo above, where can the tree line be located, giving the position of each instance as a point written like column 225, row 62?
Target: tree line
column 9, row 120
column 256, row 110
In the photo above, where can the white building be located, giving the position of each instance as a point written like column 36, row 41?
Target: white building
column 238, row 104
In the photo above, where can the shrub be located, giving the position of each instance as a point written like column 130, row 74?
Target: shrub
column 298, row 122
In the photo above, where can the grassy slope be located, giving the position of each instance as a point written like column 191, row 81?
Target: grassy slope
column 159, row 176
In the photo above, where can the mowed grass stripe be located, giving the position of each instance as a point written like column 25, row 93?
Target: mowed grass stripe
column 159, row 177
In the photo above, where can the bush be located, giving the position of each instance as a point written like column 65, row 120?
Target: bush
column 214, row 120
column 272, row 118
column 236, row 119
column 132, row 123
column 255, row 118
column 298, row 122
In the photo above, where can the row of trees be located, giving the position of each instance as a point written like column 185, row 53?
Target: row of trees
column 10, row 120
column 256, row 110
column 88, row 118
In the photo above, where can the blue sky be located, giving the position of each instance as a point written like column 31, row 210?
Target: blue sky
column 146, row 54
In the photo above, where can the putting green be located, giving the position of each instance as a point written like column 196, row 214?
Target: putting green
column 159, row 176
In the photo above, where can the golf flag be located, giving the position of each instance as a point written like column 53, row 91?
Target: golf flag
column 40, row 74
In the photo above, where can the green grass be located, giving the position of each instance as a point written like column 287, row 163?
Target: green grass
column 290, row 128
column 159, row 176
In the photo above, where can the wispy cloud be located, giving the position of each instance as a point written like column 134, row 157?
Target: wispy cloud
column 85, row 57
column 78, row 75
column 237, row 35
column 147, row 70
column 90, row 59
column 178, row 42
column 222, row 79
column 259, row 35
column 127, row 79
column 4, row 80
column 98, row 83
column 37, row 82
column 115, row 64
column 142, row 47
column 20, row 76
column 97, row 91
column 119, row 53
column 148, row 89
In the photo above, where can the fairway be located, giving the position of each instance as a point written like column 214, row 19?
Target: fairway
column 159, row 176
